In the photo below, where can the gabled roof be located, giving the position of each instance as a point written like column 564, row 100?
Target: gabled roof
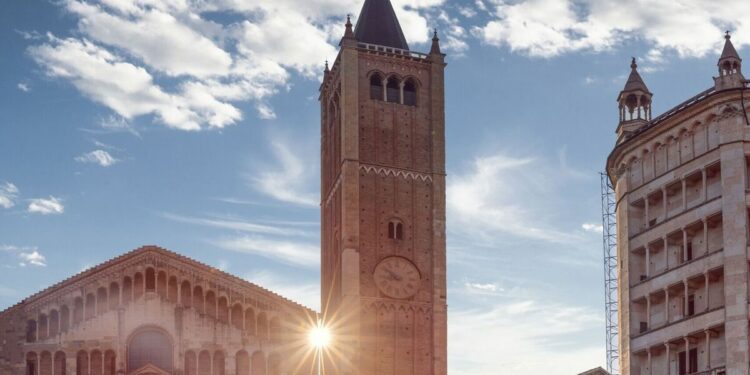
column 378, row 24
column 161, row 252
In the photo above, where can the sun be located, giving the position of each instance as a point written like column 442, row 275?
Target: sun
column 319, row 336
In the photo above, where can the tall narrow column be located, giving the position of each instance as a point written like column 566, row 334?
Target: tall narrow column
column 649, row 361
column 705, row 185
column 648, row 312
column 645, row 209
column 684, row 245
column 664, row 202
column 667, row 362
column 687, row 354
column 666, row 252
column 684, row 194
column 708, row 349
column 685, row 301
column 706, row 292
column 705, row 234
column 648, row 260
column 666, row 306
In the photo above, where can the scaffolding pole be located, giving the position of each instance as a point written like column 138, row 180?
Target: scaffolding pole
column 609, row 235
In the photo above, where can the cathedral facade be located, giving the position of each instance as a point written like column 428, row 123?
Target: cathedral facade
column 383, row 263
column 681, row 183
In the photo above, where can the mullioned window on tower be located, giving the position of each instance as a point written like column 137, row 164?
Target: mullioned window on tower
column 392, row 90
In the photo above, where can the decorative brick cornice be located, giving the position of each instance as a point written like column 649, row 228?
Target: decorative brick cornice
column 395, row 172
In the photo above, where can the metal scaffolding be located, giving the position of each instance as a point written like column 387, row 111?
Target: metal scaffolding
column 609, row 230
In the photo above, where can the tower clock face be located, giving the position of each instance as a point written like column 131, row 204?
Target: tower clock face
column 397, row 277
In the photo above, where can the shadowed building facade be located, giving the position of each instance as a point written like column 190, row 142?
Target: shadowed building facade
column 681, row 182
column 383, row 287
column 383, row 201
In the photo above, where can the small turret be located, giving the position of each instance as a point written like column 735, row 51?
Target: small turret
column 634, row 104
column 730, row 67
column 435, row 49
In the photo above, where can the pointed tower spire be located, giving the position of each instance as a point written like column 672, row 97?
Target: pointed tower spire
column 348, row 33
column 730, row 67
column 435, row 49
column 634, row 103
column 378, row 24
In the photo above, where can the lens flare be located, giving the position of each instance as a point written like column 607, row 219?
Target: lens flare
column 319, row 336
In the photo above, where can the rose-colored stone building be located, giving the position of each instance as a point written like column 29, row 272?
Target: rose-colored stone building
column 681, row 182
column 152, row 311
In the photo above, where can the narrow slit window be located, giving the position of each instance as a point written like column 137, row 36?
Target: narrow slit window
column 376, row 87
column 393, row 91
column 410, row 93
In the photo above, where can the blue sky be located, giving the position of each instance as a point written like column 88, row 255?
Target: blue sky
column 194, row 126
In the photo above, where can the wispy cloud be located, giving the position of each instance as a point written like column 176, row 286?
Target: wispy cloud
column 506, row 195
column 536, row 338
column 25, row 256
column 23, row 87
column 100, row 157
column 8, row 195
column 46, row 206
column 238, row 225
column 591, row 227
column 297, row 253
column 290, row 181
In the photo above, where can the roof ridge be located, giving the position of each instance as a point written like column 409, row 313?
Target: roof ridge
column 378, row 24
column 144, row 249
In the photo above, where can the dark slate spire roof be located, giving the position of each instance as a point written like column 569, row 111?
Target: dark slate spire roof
column 377, row 24
column 729, row 51
column 635, row 82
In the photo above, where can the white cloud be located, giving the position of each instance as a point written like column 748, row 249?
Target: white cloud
column 117, row 124
column 125, row 50
column 46, row 206
column 590, row 227
column 24, row 87
column 25, row 256
column 286, row 251
column 100, row 157
column 8, row 195
column 549, row 28
column 534, row 337
column 482, row 287
column 288, row 183
column 33, row 258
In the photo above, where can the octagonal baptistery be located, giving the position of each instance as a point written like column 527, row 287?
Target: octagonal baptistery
column 152, row 311
column 682, row 190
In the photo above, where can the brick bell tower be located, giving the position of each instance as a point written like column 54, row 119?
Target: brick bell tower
column 383, row 202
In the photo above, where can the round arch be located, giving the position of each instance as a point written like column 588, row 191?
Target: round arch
column 150, row 345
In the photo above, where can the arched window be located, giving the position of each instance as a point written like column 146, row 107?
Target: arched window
column 395, row 229
column 64, row 318
column 393, row 91
column 172, row 290
column 186, row 294
column 32, row 367
column 54, row 323
column 60, row 365
column 198, row 299
column 237, row 316
column 223, row 310
column 82, row 363
column 90, row 306
column 150, row 280
column 114, row 296
column 42, row 327
column 204, row 363
column 250, row 321
column 191, row 363
column 77, row 310
column 410, row 92
column 376, row 87
column 137, row 285
column 161, row 284
column 242, row 363
column 211, row 304
column 31, row 330
column 150, row 346
column 110, row 362
column 127, row 290
column 96, row 363
column 219, row 365
column 45, row 363
column 101, row 301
